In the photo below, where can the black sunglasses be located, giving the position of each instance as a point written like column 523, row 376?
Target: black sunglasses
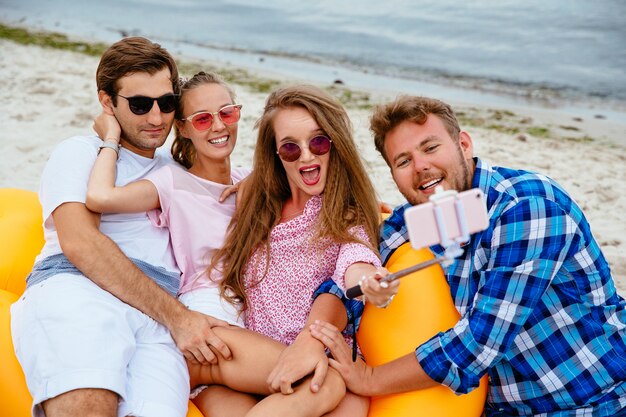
column 141, row 104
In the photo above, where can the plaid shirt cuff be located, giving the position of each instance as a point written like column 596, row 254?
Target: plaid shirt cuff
column 354, row 308
column 433, row 358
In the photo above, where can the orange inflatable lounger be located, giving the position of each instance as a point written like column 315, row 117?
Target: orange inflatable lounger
column 22, row 239
column 422, row 308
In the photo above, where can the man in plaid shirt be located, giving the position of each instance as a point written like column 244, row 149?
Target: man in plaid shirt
column 539, row 309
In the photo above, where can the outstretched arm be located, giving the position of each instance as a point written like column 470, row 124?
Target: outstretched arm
column 102, row 194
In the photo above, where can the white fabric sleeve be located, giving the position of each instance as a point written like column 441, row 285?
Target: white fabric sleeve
column 66, row 173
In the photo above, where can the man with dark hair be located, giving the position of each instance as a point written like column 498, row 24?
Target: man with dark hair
column 540, row 314
column 98, row 326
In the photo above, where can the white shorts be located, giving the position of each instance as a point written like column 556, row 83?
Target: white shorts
column 208, row 301
column 70, row 334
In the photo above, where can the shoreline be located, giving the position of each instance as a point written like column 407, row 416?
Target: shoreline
column 268, row 66
column 51, row 96
column 467, row 90
column 523, row 69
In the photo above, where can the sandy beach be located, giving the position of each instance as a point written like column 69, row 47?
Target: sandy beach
column 50, row 95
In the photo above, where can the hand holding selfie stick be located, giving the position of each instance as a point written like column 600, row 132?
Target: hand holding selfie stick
column 452, row 246
column 357, row 292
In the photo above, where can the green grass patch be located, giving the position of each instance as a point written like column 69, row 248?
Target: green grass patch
column 540, row 132
column 501, row 114
column 504, row 129
column 351, row 98
column 50, row 40
column 256, row 84
column 582, row 139
column 468, row 120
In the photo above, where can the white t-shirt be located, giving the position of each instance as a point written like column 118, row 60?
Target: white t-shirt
column 65, row 180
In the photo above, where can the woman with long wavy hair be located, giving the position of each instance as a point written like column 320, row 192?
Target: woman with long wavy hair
column 309, row 213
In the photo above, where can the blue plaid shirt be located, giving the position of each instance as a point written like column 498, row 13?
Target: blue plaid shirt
column 539, row 310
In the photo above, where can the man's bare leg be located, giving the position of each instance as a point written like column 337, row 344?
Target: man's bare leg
column 85, row 402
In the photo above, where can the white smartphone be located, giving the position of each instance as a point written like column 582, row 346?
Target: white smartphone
column 421, row 220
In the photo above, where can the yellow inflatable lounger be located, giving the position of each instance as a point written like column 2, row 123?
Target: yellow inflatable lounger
column 22, row 238
column 422, row 308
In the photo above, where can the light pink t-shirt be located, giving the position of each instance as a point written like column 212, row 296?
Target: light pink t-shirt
column 280, row 302
column 197, row 221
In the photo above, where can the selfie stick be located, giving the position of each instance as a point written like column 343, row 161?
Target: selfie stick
column 452, row 246
column 356, row 290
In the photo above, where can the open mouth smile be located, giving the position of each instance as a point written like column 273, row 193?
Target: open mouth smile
column 430, row 184
column 218, row 141
column 311, row 175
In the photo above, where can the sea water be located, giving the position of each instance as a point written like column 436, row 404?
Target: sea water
column 549, row 51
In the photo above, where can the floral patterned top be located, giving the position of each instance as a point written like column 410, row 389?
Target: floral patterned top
column 280, row 302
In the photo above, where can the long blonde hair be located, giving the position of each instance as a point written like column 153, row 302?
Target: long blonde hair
column 348, row 199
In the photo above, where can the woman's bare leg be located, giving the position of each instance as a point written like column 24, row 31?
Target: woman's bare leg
column 303, row 402
column 254, row 357
column 221, row 401
column 352, row 405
